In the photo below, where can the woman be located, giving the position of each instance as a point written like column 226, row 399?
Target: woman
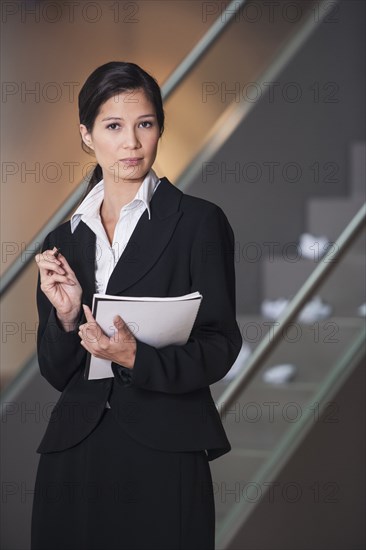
column 124, row 461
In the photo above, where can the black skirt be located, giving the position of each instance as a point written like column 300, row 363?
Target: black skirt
column 109, row 492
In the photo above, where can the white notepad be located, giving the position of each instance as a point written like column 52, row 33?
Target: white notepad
column 155, row 321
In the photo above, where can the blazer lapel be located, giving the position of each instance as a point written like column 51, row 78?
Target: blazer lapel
column 84, row 258
column 149, row 238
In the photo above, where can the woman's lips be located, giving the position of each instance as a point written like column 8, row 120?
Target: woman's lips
column 131, row 161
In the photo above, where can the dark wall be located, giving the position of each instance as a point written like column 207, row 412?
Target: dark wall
column 315, row 112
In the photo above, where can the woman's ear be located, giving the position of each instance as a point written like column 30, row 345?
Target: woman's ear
column 86, row 136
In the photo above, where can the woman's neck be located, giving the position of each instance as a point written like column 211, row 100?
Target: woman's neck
column 117, row 195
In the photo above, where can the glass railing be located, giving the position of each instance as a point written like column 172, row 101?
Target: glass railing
column 291, row 387
column 213, row 88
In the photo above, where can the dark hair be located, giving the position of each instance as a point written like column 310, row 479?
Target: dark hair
column 107, row 81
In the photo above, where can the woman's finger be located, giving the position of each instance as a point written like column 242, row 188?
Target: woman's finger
column 48, row 255
column 65, row 264
column 50, row 268
column 88, row 314
column 56, row 278
column 90, row 335
column 48, row 262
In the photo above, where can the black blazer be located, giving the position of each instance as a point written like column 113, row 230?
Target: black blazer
column 165, row 401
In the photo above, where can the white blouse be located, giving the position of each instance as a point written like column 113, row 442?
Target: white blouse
column 107, row 255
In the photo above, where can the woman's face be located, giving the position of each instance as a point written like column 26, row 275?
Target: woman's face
column 124, row 137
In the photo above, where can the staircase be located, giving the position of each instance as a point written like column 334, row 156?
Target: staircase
column 261, row 419
column 326, row 216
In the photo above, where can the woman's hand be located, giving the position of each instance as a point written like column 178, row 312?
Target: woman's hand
column 60, row 285
column 119, row 348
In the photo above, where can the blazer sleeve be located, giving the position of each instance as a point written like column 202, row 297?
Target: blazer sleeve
column 215, row 340
column 60, row 354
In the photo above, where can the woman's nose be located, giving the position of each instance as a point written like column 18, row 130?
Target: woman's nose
column 130, row 139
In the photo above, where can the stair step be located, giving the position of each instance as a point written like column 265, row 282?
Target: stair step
column 344, row 289
column 248, row 422
column 313, row 349
column 329, row 216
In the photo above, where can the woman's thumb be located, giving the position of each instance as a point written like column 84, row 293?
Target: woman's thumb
column 118, row 323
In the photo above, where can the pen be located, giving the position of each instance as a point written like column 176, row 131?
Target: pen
column 56, row 253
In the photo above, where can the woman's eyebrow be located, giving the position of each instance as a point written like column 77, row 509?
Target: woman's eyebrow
column 120, row 118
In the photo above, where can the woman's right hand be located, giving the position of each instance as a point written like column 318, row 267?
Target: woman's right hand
column 60, row 285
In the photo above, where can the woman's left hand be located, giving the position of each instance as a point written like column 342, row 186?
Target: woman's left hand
column 119, row 348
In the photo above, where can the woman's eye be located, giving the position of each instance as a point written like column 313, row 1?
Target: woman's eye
column 113, row 126
column 146, row 124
